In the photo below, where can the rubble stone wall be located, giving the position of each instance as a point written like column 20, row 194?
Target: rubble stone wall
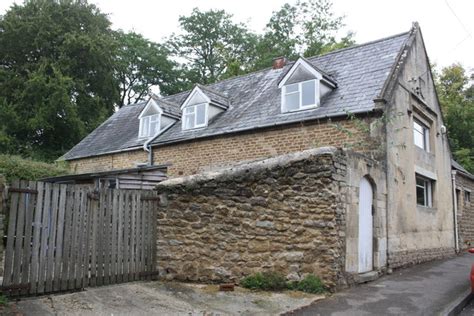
column 283, row 214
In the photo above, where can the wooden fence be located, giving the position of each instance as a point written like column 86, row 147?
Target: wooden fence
column 67, row 237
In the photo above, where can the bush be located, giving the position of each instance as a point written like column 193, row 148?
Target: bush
column 272, row 281
column 3, row 300
column 310, row 284
column 15, row 167
column 268, row 281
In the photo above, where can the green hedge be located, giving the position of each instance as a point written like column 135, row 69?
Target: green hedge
column 15, row 167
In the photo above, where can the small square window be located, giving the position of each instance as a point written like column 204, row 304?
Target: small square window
column 424, row 191
column 149, row 125
column 107, row 183
column 300, row 96
column 195, row 116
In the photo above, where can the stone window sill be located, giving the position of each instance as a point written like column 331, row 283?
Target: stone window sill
column 426, row 209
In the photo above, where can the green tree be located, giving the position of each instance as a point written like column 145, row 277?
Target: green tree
column 213, row 46
column 280, row 38
column 56, row 76
column 141, row 64
column 307, row 28
column 455, row 93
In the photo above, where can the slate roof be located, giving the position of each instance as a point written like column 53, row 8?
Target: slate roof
column 456, row 165
column 216, row 97
column 254, row 99
column 168, row 107
column 322, row 72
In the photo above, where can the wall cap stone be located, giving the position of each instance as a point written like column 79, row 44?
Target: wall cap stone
column 249, row 167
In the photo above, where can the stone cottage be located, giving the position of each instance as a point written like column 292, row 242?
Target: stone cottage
column 376, row 100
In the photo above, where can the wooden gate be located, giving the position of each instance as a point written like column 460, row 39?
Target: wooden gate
column 67, row 237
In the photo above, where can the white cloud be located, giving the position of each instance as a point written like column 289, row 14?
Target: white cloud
column 446, row 39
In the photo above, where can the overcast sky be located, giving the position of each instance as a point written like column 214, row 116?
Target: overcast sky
column 447, row 25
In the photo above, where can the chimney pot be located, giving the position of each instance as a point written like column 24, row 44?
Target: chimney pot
column 279, row 62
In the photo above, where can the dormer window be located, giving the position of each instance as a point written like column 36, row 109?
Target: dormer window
column 149, row 125
column 303, row 85
column 195, row 116
column 202, row 105
column 150, row 120
column 300, row 96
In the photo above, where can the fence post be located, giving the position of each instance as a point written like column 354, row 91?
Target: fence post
column 3, row 207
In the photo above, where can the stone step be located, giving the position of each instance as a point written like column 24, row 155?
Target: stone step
column 366, row 277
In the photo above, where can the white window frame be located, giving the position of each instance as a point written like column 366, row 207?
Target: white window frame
column 301, row 107
column 183, row 118
column 425, row 134
column 151, row 118
column 427, row 190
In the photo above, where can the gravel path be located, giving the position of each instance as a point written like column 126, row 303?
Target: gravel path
column 164, row 298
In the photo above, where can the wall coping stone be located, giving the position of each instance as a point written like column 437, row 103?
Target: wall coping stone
column 252, row 166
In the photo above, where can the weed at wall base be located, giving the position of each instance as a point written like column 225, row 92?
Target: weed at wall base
column 272, row 281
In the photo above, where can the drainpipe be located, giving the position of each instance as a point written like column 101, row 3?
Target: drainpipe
column 455, row 208
column 387, row 241
column 147, row 144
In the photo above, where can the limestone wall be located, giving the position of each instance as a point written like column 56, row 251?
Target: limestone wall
column 359, row 167
column 465, row 210
column 417, row 233
column 283, row 214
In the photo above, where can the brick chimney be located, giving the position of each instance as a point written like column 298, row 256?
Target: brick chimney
column 279, row 62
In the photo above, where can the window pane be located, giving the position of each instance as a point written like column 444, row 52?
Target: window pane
column 309, row 93
column 420, row 182
column 145, row 125
column 154, row 128
column 424, row 192
column 291, row 88
column 428, row 197
column 154, row 118
column 188, row 121
column 420, row 135
column 419, row 139
column 418, row 127
column 292, row 101
column 201, row 114
column 112, row 184
column 420, row 196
